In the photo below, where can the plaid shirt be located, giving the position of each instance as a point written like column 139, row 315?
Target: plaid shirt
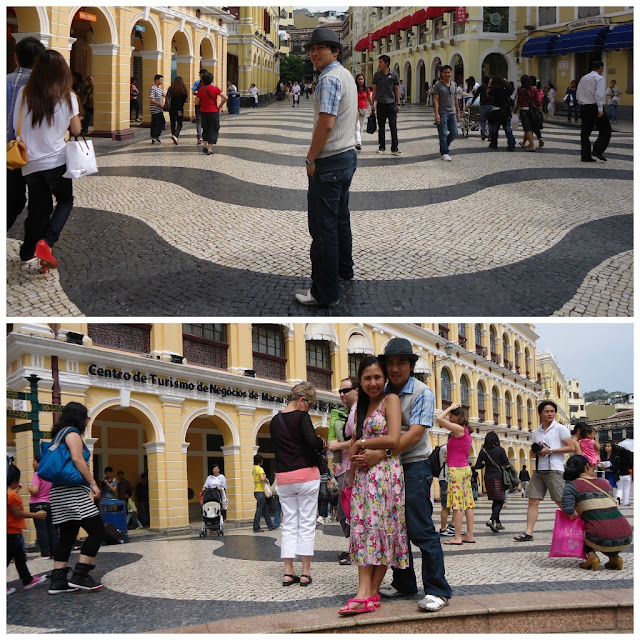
column 423, row 406
column 328, row 92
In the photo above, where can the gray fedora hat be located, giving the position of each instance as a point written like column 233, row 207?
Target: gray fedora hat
column 323, row 35
column 399, row 347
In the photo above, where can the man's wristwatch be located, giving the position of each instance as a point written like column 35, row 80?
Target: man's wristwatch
column 309, row 163
column 388, row 452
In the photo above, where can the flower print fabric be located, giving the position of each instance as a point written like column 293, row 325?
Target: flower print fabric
column 378, row 527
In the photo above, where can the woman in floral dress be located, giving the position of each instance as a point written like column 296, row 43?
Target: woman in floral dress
column 378, row 528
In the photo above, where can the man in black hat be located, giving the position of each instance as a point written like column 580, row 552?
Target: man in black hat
column 417, row 404
column 331, row 162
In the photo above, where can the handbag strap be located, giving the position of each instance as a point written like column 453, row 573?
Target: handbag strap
column 595, row 486
column 490, row 458
column 60, row 438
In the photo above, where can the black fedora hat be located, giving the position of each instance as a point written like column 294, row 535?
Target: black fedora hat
column 323, row 35
column 399, row 347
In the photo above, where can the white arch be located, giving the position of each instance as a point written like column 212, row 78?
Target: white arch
column 260, row 424
column 359, row 342
column 44, row 19
column 202, row 411
column 107, row 14
column 320, row 331
column 177, row 29
column 135, row 404
column 511, row 62
column 154, row 24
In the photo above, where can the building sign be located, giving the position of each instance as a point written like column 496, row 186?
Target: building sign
column 495, row 19
column 170, row 382
column 81, row 15
column 588, row 22
column 461, row 15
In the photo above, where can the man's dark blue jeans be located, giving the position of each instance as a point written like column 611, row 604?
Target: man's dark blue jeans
column 422, row 533
column 330, row 225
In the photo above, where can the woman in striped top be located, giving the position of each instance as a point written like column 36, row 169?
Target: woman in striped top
column 606, row 529
column 73, row 507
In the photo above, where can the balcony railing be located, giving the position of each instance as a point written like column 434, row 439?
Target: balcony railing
column 481, row 351
column 495, row 357
column 495, row 418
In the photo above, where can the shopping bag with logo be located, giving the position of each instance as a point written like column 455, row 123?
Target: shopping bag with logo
column 568, row 537
column 81, row 158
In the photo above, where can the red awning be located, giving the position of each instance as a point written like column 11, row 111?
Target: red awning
column 434, row 12
column 405, row 23
column 419, row 17
column 384, row 32
column 394, row 27
column 362, row 44
column 448, row 9
column 377, row 35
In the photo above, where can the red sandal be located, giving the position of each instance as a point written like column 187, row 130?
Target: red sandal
column 348, row 610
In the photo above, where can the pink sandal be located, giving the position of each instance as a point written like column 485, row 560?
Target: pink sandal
column 348, row 610
column 376, row 601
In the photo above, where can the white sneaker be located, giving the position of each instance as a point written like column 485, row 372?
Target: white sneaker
column 10, row 590
column 432, row 603
column 306, row 298
column 175, row 140
column 320, row 520
column 446, row 157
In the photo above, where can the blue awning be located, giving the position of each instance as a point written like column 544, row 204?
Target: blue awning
column 579, row 41
column 538, row 46
column 620, row 38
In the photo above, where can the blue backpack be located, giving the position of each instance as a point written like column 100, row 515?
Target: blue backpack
column 56, row 465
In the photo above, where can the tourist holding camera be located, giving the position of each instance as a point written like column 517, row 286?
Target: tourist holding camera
column 551, row 441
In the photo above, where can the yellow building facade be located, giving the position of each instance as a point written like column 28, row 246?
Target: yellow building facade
column 486, row 41
column 254, row 49
column 554, row 385
column 172, row 399
column 114, row 44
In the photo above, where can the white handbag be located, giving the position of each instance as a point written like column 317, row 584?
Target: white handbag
column 81, row 159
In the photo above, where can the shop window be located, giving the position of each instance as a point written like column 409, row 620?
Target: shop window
column 354, row 363
column 205, row 344
column 495, row 19
column 588, row 12
column 546, row 15
column 269, row 359
column 458, row 28
column 319, row 363
column 128, row 337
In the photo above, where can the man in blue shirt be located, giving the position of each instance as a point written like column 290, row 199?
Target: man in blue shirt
column 194, row 91
column 331, row 162
column 417, row 406
column 25, row 54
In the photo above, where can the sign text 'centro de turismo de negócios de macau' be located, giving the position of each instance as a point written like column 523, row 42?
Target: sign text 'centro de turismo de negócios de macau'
column 201, row 387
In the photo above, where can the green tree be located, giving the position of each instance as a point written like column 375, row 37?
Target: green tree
column 291, row 68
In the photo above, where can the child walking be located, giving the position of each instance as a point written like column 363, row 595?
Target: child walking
column 15, row 524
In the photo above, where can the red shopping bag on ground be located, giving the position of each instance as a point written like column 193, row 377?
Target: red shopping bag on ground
column 345, row 501
column 568, row 537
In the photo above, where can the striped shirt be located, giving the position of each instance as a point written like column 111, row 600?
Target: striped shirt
column 328, row 92
column 72, row 503
column 155, row 93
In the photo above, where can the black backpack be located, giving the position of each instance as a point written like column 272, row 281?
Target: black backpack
column 434, row 462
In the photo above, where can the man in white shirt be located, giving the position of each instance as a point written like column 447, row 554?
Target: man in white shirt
column 554, row 440
column 590, row 95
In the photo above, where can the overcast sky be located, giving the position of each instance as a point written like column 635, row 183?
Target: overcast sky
column 599, row 355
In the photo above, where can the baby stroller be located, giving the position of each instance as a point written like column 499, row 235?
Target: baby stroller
column 212, row 520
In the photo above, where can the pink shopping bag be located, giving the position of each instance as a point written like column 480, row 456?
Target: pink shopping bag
column 568, row 537
column 345, row 501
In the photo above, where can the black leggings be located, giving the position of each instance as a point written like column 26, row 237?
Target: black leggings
column 69, row 531
column 15, row 552
column 496, row 508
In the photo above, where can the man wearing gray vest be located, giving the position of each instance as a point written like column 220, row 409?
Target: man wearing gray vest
column 331, row 162
column 417, row 405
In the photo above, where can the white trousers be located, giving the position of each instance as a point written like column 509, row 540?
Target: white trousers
column 299, row 502
column 624, row 488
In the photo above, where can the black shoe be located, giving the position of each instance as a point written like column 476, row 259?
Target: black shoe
column 492, row 525
column 81, row 578
column 588, row 160
column 59, row 583
column 600, row 157
column 511, row 148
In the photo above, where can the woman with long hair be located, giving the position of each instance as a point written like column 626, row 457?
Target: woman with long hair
column 297, row 447
column 210, row 111
column 526, row 100
column 365, row 104
column 48, row 107
column 72, row 507
column 606, row 529
column 459, row 493
column 494, row 459
column 378, row 528
column 177, row 95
